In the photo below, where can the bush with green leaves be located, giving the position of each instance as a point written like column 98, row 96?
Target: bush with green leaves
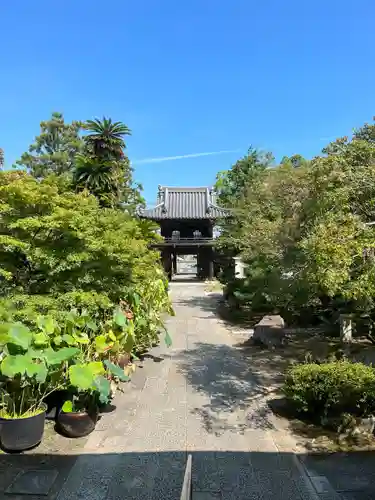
column 60, row 249
column 328, row 390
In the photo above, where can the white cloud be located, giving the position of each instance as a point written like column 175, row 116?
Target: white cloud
column 160, row 159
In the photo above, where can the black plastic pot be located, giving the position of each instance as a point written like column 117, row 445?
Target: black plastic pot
column 107, row 408
column 54, row 403
column 21, row 434
column 76, row 424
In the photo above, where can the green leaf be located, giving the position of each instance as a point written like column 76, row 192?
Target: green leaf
column 92, row 325
column 103, row 386
column 141, row 322
column 112, row 336
column 35, row 353
column 71, row 317
column 14, row 365
column 57, row 357
column 136, row 299
column 116, row 371
column 101, row 344
column 57, row 340
column 67, row 407
column 3, row 338
column 4, row 329
column 81, row 339
column 81, row 377
column 20, row 335
column 167, row 339
column 68, row 339
column 134, row 356
column 119, row 318
column 40, row 339
column 131, row 328
column 38, row 370
column 128, row 344
column 47, row 324
column 96, row 367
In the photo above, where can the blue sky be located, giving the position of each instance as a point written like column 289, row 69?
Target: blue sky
column 189, row 76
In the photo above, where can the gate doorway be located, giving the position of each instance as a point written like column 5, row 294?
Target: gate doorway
column 187, row 265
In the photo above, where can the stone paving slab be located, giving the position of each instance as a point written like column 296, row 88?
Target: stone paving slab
column 33, row 482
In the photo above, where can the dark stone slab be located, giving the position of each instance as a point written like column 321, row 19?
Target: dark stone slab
column 352, row 472
column 206, row 495
column 358, row 495
column 33, row 482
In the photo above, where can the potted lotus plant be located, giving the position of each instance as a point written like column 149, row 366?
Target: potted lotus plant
column 29, row 372
column 90, row 387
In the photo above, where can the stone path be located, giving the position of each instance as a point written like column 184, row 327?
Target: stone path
column 198, row 397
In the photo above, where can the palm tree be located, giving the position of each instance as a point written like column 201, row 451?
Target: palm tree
column 106, row 138
column 97, row 176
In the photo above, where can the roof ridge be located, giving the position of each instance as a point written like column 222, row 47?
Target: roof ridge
column 183, row 188
column 197, row 202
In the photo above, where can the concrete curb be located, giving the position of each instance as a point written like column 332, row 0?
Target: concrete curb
column 319, row 486
column 306, row 478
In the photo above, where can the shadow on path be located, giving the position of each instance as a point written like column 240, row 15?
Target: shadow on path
column 221, row 373
column 208, row 303
column 235, row 397
column 152, row 475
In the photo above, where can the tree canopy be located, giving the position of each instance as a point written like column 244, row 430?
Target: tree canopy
column 95, row 161
column 55, row 149
column 106, row 138
column 302, row 225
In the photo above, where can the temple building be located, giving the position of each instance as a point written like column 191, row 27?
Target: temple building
column 187, row 219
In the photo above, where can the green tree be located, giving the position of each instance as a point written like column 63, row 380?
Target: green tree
column 54, row 150
column 295, row 161
column 366, row 132
column 231, row 184
column 341, row 201
column 106, row 138
column 98, row 177
column 104, row 169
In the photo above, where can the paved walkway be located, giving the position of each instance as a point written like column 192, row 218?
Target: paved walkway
column 199, row 396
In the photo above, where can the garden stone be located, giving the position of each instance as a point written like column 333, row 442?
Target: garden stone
column 270, row 331
column 359, row 426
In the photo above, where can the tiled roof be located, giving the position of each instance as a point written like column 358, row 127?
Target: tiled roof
column 185, row 203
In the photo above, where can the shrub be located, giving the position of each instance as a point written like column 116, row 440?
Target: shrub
column 27, row 308
column 60, row 250
column 330, row 389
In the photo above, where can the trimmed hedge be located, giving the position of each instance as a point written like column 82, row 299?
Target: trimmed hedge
column 330, row 389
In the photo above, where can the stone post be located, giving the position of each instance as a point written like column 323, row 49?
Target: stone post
column 346, row 328
column 239, row 267
column 211, row 268
column 174, row 263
